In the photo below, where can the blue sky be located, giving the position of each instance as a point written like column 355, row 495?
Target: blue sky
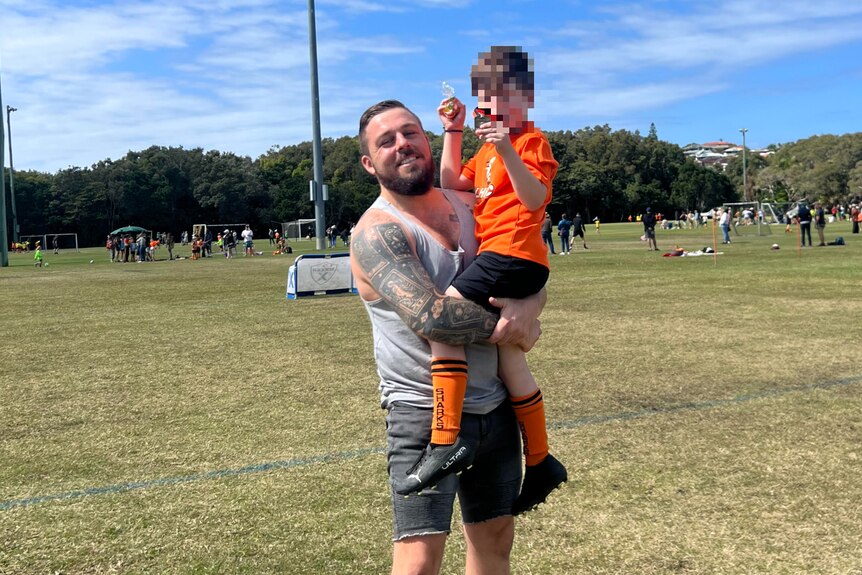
column 93, row 80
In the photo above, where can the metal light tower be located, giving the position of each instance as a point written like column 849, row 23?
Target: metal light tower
column 317, row 188
column 4, row 244
column 15, row 229
column 744, row 174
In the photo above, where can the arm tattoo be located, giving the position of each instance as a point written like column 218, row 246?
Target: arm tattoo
column 393, row 269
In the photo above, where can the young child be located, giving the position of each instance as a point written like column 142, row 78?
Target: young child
column 511, row 175
column 37, row 257
column 196, row 247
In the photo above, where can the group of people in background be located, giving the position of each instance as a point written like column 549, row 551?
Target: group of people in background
column 141, row 248
column 333, row 232
column 570, row 229
column 820, row 216
column 567, row 230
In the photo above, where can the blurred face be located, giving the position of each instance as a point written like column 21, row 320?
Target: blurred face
column 507, row 105
column 399, row 155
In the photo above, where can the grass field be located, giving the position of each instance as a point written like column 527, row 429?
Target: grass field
column 185, row 418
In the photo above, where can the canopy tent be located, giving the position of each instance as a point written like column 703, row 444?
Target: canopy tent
column 128, row 230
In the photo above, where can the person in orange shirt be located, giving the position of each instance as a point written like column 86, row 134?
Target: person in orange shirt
column 511, row 175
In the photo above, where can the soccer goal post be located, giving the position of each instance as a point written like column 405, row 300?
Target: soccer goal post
column 29, row 241
column 299, row 229
column 200, row 230
column 67, row 241
column 64, row 241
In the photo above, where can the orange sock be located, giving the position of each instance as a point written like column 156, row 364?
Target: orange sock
column 530, row 412
column 449, row 378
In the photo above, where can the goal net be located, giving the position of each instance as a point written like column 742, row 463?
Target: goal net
column 747, row 219
column 299, row 229
column 51, row 242
column 60, row 242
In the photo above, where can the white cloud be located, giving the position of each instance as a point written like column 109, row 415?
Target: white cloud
column 644, row 58
column 94, row 80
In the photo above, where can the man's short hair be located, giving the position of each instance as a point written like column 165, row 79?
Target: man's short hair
column 503, row 68
column 376, row 110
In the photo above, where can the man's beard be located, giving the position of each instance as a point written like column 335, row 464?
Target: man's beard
column 416, row 184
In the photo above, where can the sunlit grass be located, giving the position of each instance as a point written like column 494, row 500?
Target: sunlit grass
column 123, row 375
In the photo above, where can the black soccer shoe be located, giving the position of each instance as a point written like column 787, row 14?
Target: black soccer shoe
column 436, row 462
column 539, row 481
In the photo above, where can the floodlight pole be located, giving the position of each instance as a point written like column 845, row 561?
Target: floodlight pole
column 745, row 181
column 15, row 230
column 317, row 190
column 744, row 175
column 4, row 244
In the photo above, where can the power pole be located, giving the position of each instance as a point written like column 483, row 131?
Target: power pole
column 4, row 243
column 15, row 229
column 317, row 187
column 744, row 171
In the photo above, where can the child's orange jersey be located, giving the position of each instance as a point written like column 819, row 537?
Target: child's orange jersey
column 503, row 224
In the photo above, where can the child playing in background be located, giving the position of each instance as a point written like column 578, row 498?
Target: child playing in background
column 511, row 175
column 37, row 257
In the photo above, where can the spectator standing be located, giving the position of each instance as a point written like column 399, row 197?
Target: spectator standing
column 55, row 243
column 548, row 232
column 724, row 224
column 820, row 222
column 803, row 217
column 229, row 240
column 247, row 241
column 579, row 230
column 563, row 228
column 649, row 229
column 141, row 248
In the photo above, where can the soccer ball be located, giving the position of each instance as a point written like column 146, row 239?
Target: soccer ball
column 91, row 261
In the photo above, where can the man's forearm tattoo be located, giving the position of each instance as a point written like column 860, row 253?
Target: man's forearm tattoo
column 395, row 272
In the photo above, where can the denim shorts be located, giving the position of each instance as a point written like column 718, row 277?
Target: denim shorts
column 485, row 491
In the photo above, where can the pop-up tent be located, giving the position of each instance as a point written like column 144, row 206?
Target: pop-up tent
column 128, row 230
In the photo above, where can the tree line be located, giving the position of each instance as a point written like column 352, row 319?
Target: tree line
column 603, row 173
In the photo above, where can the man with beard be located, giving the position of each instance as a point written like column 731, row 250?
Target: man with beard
column 406, row 250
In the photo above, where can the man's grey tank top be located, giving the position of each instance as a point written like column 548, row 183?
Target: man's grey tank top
column 403, row 358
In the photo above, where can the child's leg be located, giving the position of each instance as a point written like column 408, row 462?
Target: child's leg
column 449, row 379
column 543, row 473
column 526, row 399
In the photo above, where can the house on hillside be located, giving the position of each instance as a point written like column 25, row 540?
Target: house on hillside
column 718, row 154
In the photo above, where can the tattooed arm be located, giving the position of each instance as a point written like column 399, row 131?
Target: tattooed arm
column 385, row 266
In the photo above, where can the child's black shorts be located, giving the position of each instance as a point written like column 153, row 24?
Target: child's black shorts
column 491, row 274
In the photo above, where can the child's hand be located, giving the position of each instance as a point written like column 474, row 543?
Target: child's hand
column 494, row 133
column 452, row 114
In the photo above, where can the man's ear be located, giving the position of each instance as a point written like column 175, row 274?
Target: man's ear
column 368, row 165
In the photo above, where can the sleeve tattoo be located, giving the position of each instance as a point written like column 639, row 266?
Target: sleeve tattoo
column 384, row 255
